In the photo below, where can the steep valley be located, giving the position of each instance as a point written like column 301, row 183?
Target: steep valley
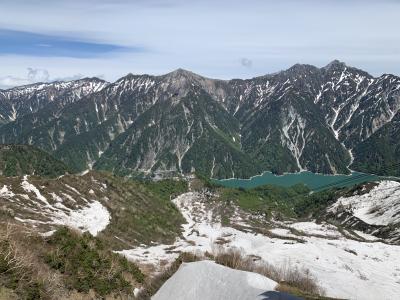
column 114, row 190
column 336, row 238
column 324, row 120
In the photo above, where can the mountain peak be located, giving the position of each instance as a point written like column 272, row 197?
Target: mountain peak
column 301, row 68
column 91, row 79
column 180, row 72
column 335, row 64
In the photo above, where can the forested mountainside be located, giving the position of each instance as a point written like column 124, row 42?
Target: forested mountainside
column 381, row 152
column 19, row 101
column 303, row 118
column 18, row 160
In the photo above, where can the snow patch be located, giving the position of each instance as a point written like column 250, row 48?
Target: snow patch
column 30, row 188
column 5, row 192
column 371, row 273
column 93, row 218
column 312, row 228
column 293, row 135
column 208, row 280
column 381, row 206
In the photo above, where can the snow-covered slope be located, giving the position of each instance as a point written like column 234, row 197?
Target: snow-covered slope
column 208, row 280
column 313, row 117
column 344, row 267
column 373, row 208
column 117, row 209
column 39, row 206
column 380, row 206
column 19, row 101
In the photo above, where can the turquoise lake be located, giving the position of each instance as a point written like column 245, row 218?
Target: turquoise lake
column 312, row 180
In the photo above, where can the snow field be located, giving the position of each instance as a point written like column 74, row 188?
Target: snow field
column 344, row 268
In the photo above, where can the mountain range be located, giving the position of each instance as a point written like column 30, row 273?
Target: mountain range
column 326, row 120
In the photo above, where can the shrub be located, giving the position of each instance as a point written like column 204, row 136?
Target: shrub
column 290, row 279
column 16, row 268
column 86, row 264
column 286, row 275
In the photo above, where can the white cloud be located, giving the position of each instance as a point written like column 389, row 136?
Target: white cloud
column 33, row 75
column 73, row 77
column 11, row 81
column 38, row 75
column 210, row 38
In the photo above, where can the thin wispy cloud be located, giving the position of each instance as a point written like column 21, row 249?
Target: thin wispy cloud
column 32, row 75
column 37, row 44
column 36, row 75
column 220, row 39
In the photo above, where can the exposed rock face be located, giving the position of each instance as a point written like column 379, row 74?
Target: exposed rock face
column 304, row 118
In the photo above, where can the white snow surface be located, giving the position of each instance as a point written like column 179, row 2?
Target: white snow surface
column 30, row 188
column 343, row 267
column 312, row 228
column 380, row 206
column 92, row 216
column 208, row 280
column 5, row 192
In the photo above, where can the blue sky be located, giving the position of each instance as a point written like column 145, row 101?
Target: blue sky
column 14, row 42
column 42, row 40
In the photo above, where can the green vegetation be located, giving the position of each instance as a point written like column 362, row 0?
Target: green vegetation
column 266, row 199
column 264, row 141
column 297, row 201
column 203, row 181
column 86, row 264
column 314, row 203
column 18, row 160
column 222, row 129
column 141, row 211
column 16, row 279
column 66, row 265
column 72, row 264
column 382, row 160
column 209, row 139
column 167, row 188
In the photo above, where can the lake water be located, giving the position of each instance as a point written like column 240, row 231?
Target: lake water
column 312, row 180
